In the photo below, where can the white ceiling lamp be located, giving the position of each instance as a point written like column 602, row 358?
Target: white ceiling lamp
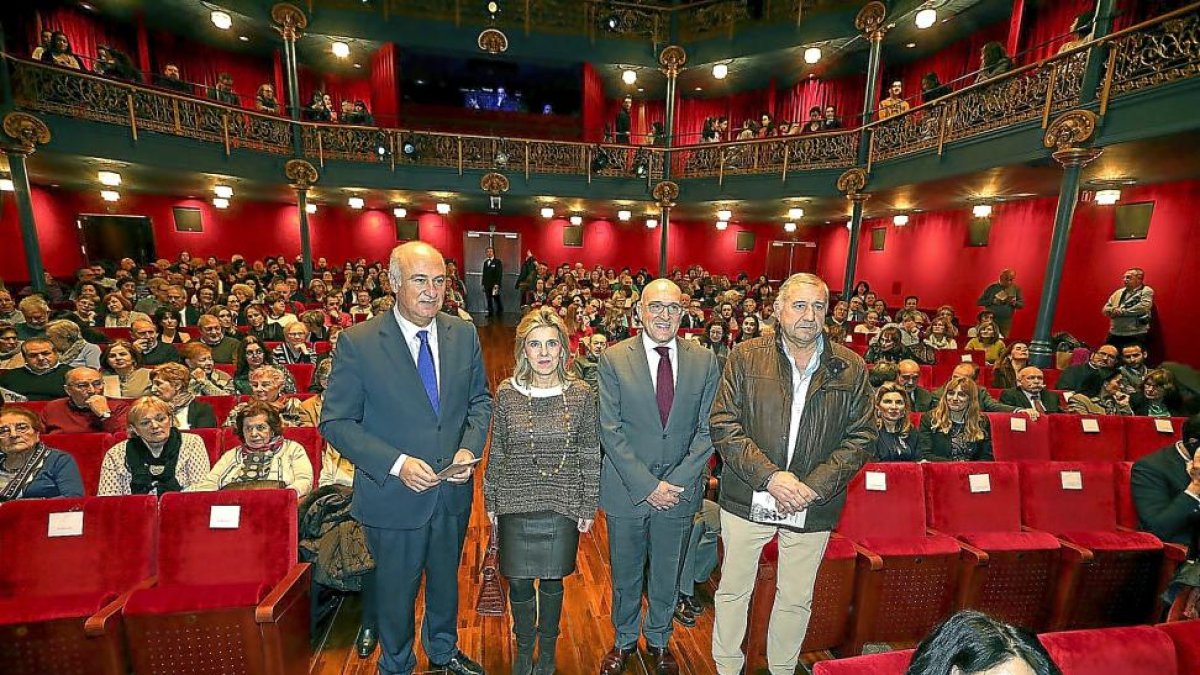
column 724, row 214
column 110, row 195
column 629, row 77
column 722, row 224
column 400, row 212
column 926, row 18
column 812, row 55
column 356, row 202
column 576, row 220
column 221, row 19
column 340, row 49
column 109, row 178
column 795, row 213
column 789, row 226
column 982, row 210
column 443, row 208
column 220, row 202
column 900, row 220
column 624, row 215
column 223, row 191
column 6, row 185
column 720, row 71
column 547, row 212
column 651, row 223
column 1108, row 197
column 310, row 208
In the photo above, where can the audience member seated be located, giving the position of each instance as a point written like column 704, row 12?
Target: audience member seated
column 994, row 61
column 972, row 643
column 267, row 384
column 85, row 310
column 910, row 327
column 264, row 459
column 956, row 429
column 1157, row 396
column 145, row 338
column 172, row 383
column 871, row 324
column 212, row 335
column 894, row 104
column 985, row 316
column 251, row 354
column 815, row 123
column 1113, row 399
column 59, row 52
column 42, row 378
column 166, row 323
column 856, row 311
column 881, row 373
column 888, row 346
column 84, row 409
column 124, row 371
column 8, row 309
column 1166, row 489
column 316, row 110
column 1012, row 360
column 832, row 121
column 294, row 348
column 119, row 312
column 111, row 62
column 987, row 339
column 1088, row 378
column 1081, row 32
column 894, row 440
column 29, row 469
column 72, row 349
column 206, row 379
column 1031, row 392
column 986, row 402
column 169, row 79
column 1133, row 365
column 749, row 329
column 932, row 88
column 45, row 40
column 908, row 376
column 37, row 314
column 156, row 458
column 10, row 348
column 912, row 303
column 264, row 100
column 227, row 319
column 942, row 334
column 587, row 362
column 714, row 338
column 223, row 92
column 260, row 327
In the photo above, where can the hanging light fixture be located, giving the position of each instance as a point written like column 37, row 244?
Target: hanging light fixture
column 724, row 214
column 223, row 191
column 651, row 223
column 795, row 213
column 220, row 202
column 1108, row 197
column 926, row 18
column 356, row 202
column 900, row 220
column 400, row 212
column 310, row 208
column 109, row 178
column 443, row 208
column 547, row 212
column 982, row 210
column 624, row 215
column 629, row 77
column 340, row 49
column 110, row 195
column 576, row 220
column 722, row 224
column 789, row 226
column 221, row 19
column 812, row 55
column 720, row 71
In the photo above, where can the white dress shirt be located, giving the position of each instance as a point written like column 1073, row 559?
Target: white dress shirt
column 413, row 342
column 652, row 359
column 800, row 382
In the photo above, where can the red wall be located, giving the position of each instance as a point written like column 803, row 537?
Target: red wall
column 929, row 257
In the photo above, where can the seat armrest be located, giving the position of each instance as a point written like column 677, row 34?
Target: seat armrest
column 981, row 557
column 99, row 623
column 1083, row 555
column 289, row 589
column 1175, row 552
column 874, row 562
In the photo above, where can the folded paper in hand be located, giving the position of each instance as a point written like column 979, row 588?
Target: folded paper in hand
column 457, row 468
column 763, row 509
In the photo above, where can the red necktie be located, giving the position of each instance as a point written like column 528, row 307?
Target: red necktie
column 665, row 389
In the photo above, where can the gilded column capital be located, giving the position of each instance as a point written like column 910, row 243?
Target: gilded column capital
column 665, row 193
column 289, row 20
column 672, row 59
column 492, row 41
column 852, row 183
column 26, row 132
column 1066, row 136
column 494, row 183
column 870, row 21
column 300, row 173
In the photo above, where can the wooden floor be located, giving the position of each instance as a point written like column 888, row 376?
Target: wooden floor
column 587, row 632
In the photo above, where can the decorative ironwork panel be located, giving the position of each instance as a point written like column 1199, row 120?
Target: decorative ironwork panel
column 1016, row 99
column 910, row 132
column 1163, row 53
column 551, row 157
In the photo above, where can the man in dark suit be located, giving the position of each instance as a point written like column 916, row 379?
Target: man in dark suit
column 154, row 351
column 178, row 300
column 624, row 122
column 908, row 375
column 1166, row 488
column 1030, row 392
column 1089, row 378
column 493, row 274
column 655, row 395
column 407, row 399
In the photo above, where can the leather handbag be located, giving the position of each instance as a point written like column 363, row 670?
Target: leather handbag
column 491, row 601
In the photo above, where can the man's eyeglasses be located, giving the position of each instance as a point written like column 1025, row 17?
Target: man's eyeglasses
column 18, row 428
column 673, row 309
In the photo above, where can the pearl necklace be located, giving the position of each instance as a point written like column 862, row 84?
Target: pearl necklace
column 566, row 415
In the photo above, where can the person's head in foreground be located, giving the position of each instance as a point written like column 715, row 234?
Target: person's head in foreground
column 972, row 643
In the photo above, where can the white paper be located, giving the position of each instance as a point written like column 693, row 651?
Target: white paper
column 1090, row 426
column 1164, row 426
column 876, row 481
column 224, row 517
column 65, row 524
column 1017, row 423
column 763, row 509
column 1067, row 395
column 1071, row 480
column 457, row 468
column 980, row 482
column 967, row 358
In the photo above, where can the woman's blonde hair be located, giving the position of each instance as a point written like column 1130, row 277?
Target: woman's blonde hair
column 939, row 417
column 147, row 405
column 544, row 317
column 892, row 388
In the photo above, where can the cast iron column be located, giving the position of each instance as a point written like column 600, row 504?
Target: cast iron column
column 302, row 175
column 25, row 132
column 672, row 59
column 870, row 21
column 1101, row 25
column 290, row 22
column 1066, row 134
column 852, row 182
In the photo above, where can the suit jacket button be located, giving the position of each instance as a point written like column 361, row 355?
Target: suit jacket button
column 664, row 434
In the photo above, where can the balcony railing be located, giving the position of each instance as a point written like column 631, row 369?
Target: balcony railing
column 1156, row 52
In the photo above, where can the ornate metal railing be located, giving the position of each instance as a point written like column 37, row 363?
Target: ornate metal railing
column 768, row 155
column 1162, row 53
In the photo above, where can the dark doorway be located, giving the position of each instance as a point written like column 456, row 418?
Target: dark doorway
column 112, row 238
column 507, row 246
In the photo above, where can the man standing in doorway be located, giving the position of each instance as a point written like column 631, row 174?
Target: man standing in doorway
column 493, row 274
column 792, row 420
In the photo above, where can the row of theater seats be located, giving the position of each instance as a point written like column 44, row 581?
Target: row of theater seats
column 198, row 582
column 1165, row 649
column 1045, row 545
column 1066, row 437
column 89, row 449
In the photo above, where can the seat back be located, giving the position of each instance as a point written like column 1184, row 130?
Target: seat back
column 1071, row 441
column 114, row 551
column 1068, row 496
column 926, row 378
column 965, row 497
column 885, row 663
column 88, row 450
column 310, row 438
column 1186, row 637
column 1126, row 511
column 897, row 511
column 1050, row 375
column 302, row 373
column 221, row 405
column 1144, row 435
column 1010, row 445
column 1132, row 650
column 260, row 549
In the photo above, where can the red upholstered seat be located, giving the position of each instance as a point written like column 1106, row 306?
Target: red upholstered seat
column 926, row 378
column 221, row 405
column 906, row 586
column 1069, row 441
column 313, row 444
column 88, row 451
column 993, row 542
column 1126, row 511
column 302, row 373
column 61, row 596
column 1143, row 435
column 1186, row 637
column 1010, row 444
column 227, row 368
column 113, row 333
column 170, row 599
column 1135, row 650
column 886, row 663
column 1050, row 375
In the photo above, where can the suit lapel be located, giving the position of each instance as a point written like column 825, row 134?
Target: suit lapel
column 396, row 349
column 641, row 368
column 683, row 379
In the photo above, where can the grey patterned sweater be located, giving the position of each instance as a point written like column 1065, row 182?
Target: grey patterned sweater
column 545, row 451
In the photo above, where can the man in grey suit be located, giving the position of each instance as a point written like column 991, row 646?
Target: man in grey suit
column 408, row 398
column 655, row 396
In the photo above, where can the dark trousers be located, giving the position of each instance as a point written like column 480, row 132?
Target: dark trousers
column 632, row 543
column 495, row 304
column 401, row 558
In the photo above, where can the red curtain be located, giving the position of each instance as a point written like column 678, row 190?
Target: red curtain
column 201, row 64
column 1049, row 27
column 593, row 105
column 644, row 114
column 845, row 93
column 385, row 85
column 952, row 63
column 85, row 32
column 691, row 113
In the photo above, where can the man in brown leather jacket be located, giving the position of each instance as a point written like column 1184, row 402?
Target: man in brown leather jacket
column 792, row 420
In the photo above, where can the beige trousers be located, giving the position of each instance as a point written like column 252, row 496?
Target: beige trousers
column 800, row 555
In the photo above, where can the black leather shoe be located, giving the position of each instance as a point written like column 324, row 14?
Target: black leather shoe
column 613, row 662
column 683, row 614
column 365, row 643
column 460, row 664
column 693, row 604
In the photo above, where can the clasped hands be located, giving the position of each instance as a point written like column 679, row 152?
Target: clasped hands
column 790, row 493
column 419, row 476
column 665, row 496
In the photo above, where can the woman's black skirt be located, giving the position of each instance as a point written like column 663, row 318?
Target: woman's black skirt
column 539, row 545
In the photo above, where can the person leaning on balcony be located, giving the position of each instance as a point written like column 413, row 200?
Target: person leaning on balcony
column 59, row 52
column 1081, row 31
column 932, row 88
column 170, row 79
column 894, row 104
column 993, row 61
column 223, row 92
column 815, row 123
column 264, row 100
column 44, row 40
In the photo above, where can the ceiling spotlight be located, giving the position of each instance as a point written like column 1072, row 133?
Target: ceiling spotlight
column 724, row 214
column 720, row 71
column 1108, row 197
column 900, row 220
column 221, row 19
column 812, row 55
column 624, row 215
column 340, row 49
column 926, row 18
column 356, row 202
column 220, row 202
column 244, row 38
column 982, row 210
column 6, row 185
column 789, row 226
column 547, row 212
column 492, row 8
column 223, row 191
column 109, row 178
column 443, row 208
column 722, row 224
column 576, row 220
column 310, row 208
column 629, row 77
column 400, row 212
column 651, row 223
column 612, row 22
column 795, row 213
column 110, row 195
column 911, row 45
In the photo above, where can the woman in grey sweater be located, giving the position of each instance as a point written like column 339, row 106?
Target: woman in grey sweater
column 542, row 482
